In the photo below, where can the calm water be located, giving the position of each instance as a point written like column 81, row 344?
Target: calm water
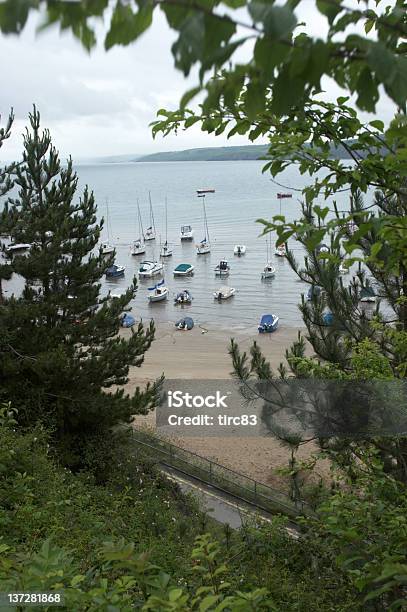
column 242, row 195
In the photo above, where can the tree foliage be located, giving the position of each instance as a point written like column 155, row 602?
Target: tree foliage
column 62, row 359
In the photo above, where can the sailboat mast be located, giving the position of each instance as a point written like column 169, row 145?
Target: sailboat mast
column 152, row 222
column 140, row 222
column 166, row 220
column 205, row 220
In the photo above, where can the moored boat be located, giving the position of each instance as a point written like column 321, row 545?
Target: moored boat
column 269, row 271
column 127, row 320
column 204, row 246
column 187, row 233
column 280, row 250
column 148, row 269
column 115, row 271
column 367, row 294
column 158, row 293
column 139, row 247
column 183, row 297
column 224, row 293
column 240, row 249
column 184, row 269
column 223, row 268
column 268, row 324
column 150, row 231
column 166, row 250
column 17, row 247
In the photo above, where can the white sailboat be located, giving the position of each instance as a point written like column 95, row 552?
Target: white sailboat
column 107, row 246
column 166, row 250
column 268, row 270
column 204, row 246
column 150, row 231
column 139, row 246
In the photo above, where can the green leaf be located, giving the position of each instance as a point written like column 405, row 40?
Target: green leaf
column 126, row 26
column 278, row 21
column 329, row 8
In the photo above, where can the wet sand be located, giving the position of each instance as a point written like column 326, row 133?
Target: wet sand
column 197, row 355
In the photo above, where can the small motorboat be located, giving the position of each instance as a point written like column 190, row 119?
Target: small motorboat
column 158, row 293
column 280, row 250
column 185, row 324
column 224, row 293
column 187, row 233
column 322, row 248
column 343, row 269
column 367, row 295
column 166, row 250
column 223, row 268
column 184, row 297
column 115, row 271
column 127, row 320
column 269, row 271
column 17, row 247
column 203, row 247
column 240, row 249
column 184, row 269
column 148, row 269
column 268, row 324
column 138, row 247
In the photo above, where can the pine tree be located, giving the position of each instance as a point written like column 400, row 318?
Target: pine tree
column 62, row 359
column 6, row 183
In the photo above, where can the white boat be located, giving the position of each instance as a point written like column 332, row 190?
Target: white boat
column 107, row 247
column 166, row 250
column 187, row 233
column 223, row 268
column 150, row 231
column 240, row 249
column 148, row 269
column 269, row 271
column 184, row 269
column 205, row 245
column 139, row 246
column 367, row 295
column 158, row 293
column 343, row 269
column 280, row 250
column 17, row 247
column 224, row 293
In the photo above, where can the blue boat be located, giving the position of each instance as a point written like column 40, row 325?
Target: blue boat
column 186, row 323
column 268, row 324
column 127, row 320
column 328, row 318
column 115, row 271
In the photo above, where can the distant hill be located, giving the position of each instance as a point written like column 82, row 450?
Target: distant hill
column 208, row 154
column 221, row 154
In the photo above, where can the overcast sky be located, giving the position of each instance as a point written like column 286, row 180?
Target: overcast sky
column 101, row 104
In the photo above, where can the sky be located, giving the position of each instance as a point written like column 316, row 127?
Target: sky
column 101, row 104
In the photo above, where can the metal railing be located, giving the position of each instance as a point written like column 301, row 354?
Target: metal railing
column 225, row 479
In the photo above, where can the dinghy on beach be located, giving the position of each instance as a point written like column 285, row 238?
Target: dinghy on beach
column 185, row 324
column 268, row 324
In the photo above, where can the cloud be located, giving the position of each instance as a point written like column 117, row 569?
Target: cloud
column 102, row 103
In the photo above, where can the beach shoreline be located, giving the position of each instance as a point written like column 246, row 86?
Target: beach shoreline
column 193, row 355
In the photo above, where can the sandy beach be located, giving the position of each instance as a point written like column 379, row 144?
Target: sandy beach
column 197, row 355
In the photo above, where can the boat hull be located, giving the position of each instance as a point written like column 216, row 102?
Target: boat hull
column 159, row 298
